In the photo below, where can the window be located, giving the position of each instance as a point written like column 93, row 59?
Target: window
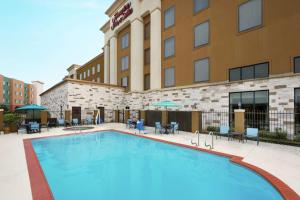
column 169, row 77
column 169, row 47
column 297, row 111
column 147, row 56
column 124, row 81
column 125, row 63
column 297, row 64
column 201, row 70
column 88, row 73
column 250, row 15
column 169, row 17
column 84, row 75
column 93, row 70
column 80, row 76
column 98, row 79
column 98, row 67
column 125, row 41
column 147, row 82
column 201, row 34
column 147, row 29
column 254, row 101
column 200, row 5
column 249, row 72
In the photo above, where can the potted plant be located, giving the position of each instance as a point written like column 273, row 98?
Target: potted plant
column 11, row 121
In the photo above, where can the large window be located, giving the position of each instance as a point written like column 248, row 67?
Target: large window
column 256, row 105
column 124, row 81
column 169, row 47
column 125, row 63
column 249, row 72
column 147, row 28
column 147, row 56
column 170, row 17
column 169, row 77
column 125, row 41
column 98, row 67
column 201, row 34
column 200, row 5
column 201, row 70
column 147, row 82
column 297, row 111
column 250, row 15
column 297, row 64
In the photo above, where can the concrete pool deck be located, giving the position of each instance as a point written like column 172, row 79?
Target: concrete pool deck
column 279, row 160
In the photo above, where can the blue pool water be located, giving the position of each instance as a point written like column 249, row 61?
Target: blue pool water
column 113, row 166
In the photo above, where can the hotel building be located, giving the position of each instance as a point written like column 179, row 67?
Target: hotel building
column 202, row 54
column 15, row 93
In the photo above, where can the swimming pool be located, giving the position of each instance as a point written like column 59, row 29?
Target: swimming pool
column 111, row 165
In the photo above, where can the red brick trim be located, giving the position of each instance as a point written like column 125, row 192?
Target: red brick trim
column 41, row 190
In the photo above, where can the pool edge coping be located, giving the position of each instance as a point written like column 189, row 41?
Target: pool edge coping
column 41, row 190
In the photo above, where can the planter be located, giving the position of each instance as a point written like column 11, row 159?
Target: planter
column 6, row 130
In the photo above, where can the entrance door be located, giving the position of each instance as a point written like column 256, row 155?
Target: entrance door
column 76, row 113
column 101, row 109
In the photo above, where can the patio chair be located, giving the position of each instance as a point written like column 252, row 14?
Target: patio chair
column 140, row 126
column 253, row 134
column 224, row 131
column 75, row 122
column 159, row 128
column 175, row 127
column 89, row 120
column 34, row 127
column 22, row 129
column 129, row 123
column 61, row 122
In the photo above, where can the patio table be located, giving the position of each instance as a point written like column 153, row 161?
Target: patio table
column 239, row 135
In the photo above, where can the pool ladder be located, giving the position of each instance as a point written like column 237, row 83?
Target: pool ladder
column 211, row 146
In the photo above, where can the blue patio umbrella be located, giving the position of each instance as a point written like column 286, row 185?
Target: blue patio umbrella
column 31, row 107
column 166, row 104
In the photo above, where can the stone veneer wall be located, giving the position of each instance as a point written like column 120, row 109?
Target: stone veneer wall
column 55, row 99
column 202, row 97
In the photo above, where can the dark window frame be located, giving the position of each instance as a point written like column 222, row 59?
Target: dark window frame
column 297, row 57
column 145, row 88
column 166, row 57
column 254, row 27
column 254, row 67
column 208, row 41
column 172, row 6
column 196, row 12
column 128, row 43
column 127, row 81
column 209, row 71
column 147, row 36
column 146, row 50
column 123, row 70
column 171, row 67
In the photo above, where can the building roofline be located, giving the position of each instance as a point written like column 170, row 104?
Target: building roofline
column 114, row 6
column 40, row 82
column 105, row 27
column 67, row 80
column 84, row 65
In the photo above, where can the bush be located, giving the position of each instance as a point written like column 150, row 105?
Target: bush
column 11, row 119
column 297, row 138
column 278, row 134
column 213, row 129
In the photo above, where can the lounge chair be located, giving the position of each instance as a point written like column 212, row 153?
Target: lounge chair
column 34, row 127
column 224, row 131
column 75, row 122
column 159, row 128
column 129, row 123
column 253, row 134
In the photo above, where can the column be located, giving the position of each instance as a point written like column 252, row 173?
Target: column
column 195, row 121
column 113, row 61
column 239, row 120
column 155, row 50
column 106, row 64
column 137, row 56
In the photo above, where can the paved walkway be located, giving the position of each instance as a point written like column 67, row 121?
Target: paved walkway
column 281, row 161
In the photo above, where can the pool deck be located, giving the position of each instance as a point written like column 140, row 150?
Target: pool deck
column 279, row 160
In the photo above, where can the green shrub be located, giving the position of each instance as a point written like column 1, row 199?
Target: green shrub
column 297, row 138
column 11, row 118
column 278, row 134
column 213, row 129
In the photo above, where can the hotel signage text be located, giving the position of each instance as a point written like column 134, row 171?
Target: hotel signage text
column 121, row 15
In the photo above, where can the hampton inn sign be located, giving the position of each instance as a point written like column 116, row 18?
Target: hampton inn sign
column 121, row 15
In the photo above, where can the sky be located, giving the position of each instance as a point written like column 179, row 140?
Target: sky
column 40, row 39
